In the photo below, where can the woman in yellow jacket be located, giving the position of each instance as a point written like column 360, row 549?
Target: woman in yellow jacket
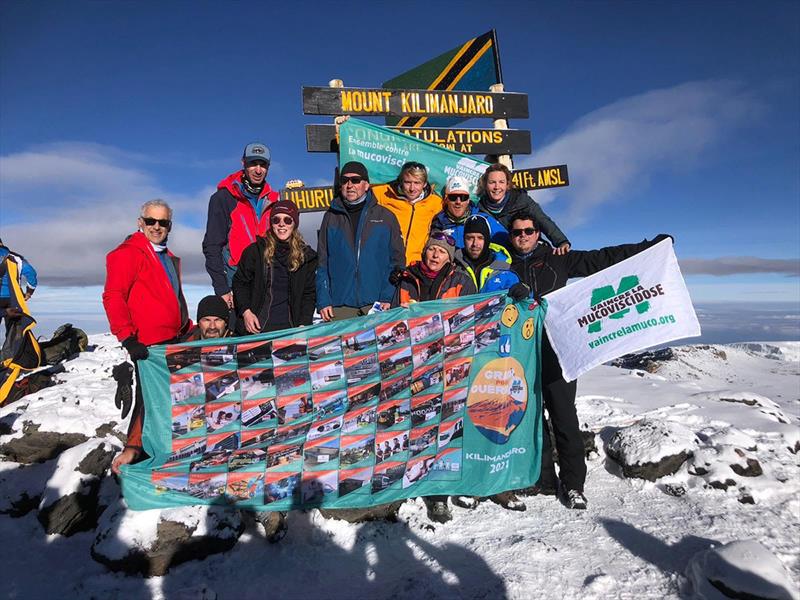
column 412, row 201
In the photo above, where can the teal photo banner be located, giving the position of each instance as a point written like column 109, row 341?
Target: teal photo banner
column 442, row 397
column 384, row 151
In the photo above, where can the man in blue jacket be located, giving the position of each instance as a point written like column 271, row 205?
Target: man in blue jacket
column 458, row 208
column 26, row 273
column 359, row 246
column 488, row 264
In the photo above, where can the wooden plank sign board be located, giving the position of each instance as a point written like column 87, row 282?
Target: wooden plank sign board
column 401, row 103
column 315, row 199
column 322, row 138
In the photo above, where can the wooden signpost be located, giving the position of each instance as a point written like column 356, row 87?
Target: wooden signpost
column 374, row 102
column 322, row 138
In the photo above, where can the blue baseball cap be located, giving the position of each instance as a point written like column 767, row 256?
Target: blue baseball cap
column 256, row 151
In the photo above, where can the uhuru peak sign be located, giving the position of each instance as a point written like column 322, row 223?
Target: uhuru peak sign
column 440, row 398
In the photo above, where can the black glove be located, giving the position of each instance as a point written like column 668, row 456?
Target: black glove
column 519, row 291
column 662, row 236
column 396, row 276
column 136, row 349
column 13, row 313
column 123, row 375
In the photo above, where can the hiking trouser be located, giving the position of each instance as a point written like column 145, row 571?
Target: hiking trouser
column 559, row 399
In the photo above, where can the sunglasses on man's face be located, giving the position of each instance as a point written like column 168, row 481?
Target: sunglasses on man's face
column 282, row 221
column 457, row 198
column 150, row 221
column 355, row 179
column 525, row 230
column 441, row 235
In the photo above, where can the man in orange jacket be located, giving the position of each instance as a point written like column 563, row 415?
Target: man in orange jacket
column 412, row 201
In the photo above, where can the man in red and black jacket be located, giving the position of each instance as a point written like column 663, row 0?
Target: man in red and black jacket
column 143, row 297
column 237, row 212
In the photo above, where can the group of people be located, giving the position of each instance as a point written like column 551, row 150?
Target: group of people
column 378, row 247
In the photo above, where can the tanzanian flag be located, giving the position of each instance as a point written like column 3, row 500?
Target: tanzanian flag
column 472, row 66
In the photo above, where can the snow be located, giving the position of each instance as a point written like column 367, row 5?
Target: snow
column 636, row 539
column 650, row 440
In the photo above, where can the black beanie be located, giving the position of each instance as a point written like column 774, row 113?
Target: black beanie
column 478, row 224
column 354, row 168
column 212, row 306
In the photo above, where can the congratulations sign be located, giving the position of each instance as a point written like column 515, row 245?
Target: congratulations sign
column 637, row 303
column 442, row 397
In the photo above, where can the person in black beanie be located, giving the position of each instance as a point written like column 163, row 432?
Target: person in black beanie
column 274, row 287
column 487, row 263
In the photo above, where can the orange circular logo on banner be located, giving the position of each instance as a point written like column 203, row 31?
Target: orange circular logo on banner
column 498, row 398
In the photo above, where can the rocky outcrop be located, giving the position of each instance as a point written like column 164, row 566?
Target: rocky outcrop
column 651, row 449
column 39, row 446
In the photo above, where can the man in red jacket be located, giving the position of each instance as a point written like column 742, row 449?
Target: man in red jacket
column 143, row 297
column 237, row 213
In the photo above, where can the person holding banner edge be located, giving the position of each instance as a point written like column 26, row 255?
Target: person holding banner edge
column 500, row 199
column 359, row 246
column 543, row 271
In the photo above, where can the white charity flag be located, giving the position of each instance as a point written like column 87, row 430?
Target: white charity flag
column 634, row 304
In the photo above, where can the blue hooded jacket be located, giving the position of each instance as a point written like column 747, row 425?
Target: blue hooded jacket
column 357, row 274
column 443, row 222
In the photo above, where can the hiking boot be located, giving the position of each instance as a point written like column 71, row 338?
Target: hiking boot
column 274, row 524
column 438, row 511
column 539, row 489
column 575, row 499
column 468, row 502
column 509, row 501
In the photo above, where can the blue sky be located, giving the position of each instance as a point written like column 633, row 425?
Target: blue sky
column 673, row 117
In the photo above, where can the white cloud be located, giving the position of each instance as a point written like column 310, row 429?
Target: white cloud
column 735, row 265
column 623, row 144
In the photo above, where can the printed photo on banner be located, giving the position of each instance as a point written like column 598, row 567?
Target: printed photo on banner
column 186, row 418
column 259, row 413
column 427, row 353
column 254, row 353
column 426, row 328
column 398, row 387
column 392, row 334
column 426, row 378
column 456, row 372
column 324, row 427
column 425, row 408
column 284, row 455
column 294, row 407
column 459, row 344
column 170, row 482
column 257, row 383
column 216, row 461
column 394, row 361
column 386, row 474
column 458, row 319
column 321, row 451
column 450, row 431
column 357, row 420
column 257, row 437
column 359, row 369
column 245, row 486
column 217, row 356
column 179, row 357
column 394, row 414
column 356, row 448
column 391, row 444
column 207, row 486
column 184, row 448
column 447, row 466
column 327, row 404
column 454, row 402
column 359, row 342
column 486, row 337
column 324, row 348
column 247, row 458
column 291, row 431
column 423, row 438
column 220, row 384
column 220, row 415
column 291, row 351
column 222, row 441
column 417, row 469
column 489, row 310
column 319, row 484
column 282, row 486
column 187, row 388
column 351, row 480
column 327, row 375
column 292, row 379
column 364, row 394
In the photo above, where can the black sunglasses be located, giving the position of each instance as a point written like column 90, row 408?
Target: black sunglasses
column 457, row 198
column 150, row 221
column 277, row 220
column 526, row 231
column 355, row 179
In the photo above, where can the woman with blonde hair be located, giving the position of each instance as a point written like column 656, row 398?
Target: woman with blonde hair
column 275, row 285
column 499, row 198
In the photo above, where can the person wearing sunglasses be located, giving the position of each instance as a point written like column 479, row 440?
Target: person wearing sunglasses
column 533, row 260
column 143, row 296
column 412, row 201
column 237, row 212
column 275, row 284
column 458, row 208
column 359, row 246
column 499, row 198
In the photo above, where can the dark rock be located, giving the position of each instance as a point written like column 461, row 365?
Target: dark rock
column 753, row 468
column 96, row 462
column 645, row 361
column 668, row 465
column 722, row 485
column 696, row 470
column 746, row 499
column 72, row 513
column 175, row 543
column 383, row 512
column 589, row 443
column 39, row 446
column 675, row 490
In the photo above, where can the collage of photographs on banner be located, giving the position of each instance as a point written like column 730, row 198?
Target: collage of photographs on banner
column 296, row 419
